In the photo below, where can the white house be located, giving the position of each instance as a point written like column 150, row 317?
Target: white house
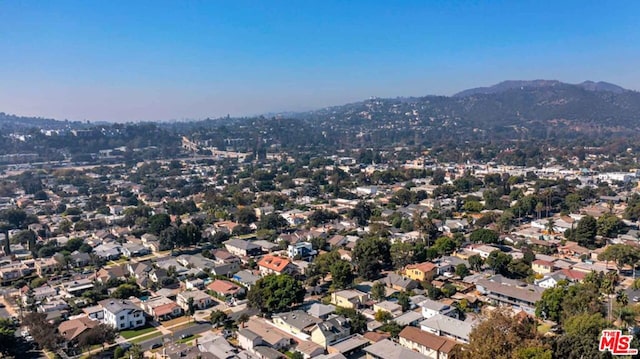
column 431, row 307
column 301, row 249
column 122, row 314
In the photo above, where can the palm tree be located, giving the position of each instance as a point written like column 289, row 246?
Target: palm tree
column 243, row 318
column 551, row 225
column 622, row 298
column 539, row 208
column 626, row 315
column 608, row 288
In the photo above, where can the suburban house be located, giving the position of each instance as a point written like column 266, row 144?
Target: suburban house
column 72, row 329
column 226, row 289
column 130, row 250
column 330, row 331
column 392, row 308
column 161, row 308
column 349, row 298
column 447, row 327
column 115, row 272
column 201, row 300
column 386, row 349
column 551, row 280
column 430, row 345
column 270, row 335
column 248, row 339
column 302, row 250
column 542, row 267
column 46, row 266
column 295, row 322
column 321, row 311
column 398, row 282
column 122, row 314
column 246, row 278
column 432, row 307
column 240, row 247
column 509, row 292
column 39, row 294
column 221, row 256
column 421, row 271
column 271, row 264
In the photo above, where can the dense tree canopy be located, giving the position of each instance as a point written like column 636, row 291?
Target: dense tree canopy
column 504, row 336
column 371, row 256
column 275, row 293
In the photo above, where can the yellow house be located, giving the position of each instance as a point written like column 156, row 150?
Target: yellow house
column 541, row 266
column 348, row 298
column 421, row 271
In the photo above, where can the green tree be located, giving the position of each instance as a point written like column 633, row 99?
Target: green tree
column 462, row 270
column 371, row 256
column 498, row 261
column 582, row 298
column 383, row 316
column 578, row 331
column 445, row 245
column 378, row 291
column 550, row 304
column 341, row 274
column 159, row 222
column 472, row 206
column 191, row 308
column 275, row 293
column 8, row 339
column 218, row 318
column 118, row 352
column 74, row 244
column 272, row 221
column 502, row 336
column 585, row 232
column 621, row 254
column 246, row 215
column 126, row 290
column 476, row 262
column 135, row 352
column 484, row 235
column 401, row 254
column 403, row 301
column 609, row 225
column 100, row 334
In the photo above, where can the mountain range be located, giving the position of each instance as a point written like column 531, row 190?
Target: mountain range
column 506, row 111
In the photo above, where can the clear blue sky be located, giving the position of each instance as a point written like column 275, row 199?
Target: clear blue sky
column 161, row 60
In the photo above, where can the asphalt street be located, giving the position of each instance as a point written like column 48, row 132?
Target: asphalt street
column 192, row 330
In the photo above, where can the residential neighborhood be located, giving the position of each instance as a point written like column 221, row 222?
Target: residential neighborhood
column 206, row 264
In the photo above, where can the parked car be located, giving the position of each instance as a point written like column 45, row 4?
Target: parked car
column 156, row 345
column 185, row 336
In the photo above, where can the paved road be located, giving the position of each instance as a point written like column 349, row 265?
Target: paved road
column 192, row 330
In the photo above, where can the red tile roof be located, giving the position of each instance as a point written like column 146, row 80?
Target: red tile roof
column 164, row 309
column 223, row 287
column 276, row 264
column 424, row 267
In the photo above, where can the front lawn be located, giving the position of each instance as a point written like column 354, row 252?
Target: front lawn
column 128, row 334
column 146, row 337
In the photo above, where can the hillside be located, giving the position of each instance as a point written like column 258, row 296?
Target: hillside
column 511, row 110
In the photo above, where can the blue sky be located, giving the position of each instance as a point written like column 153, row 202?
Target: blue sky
column 162, row 60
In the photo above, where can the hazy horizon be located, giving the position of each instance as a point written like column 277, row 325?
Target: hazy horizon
column 162, row 61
